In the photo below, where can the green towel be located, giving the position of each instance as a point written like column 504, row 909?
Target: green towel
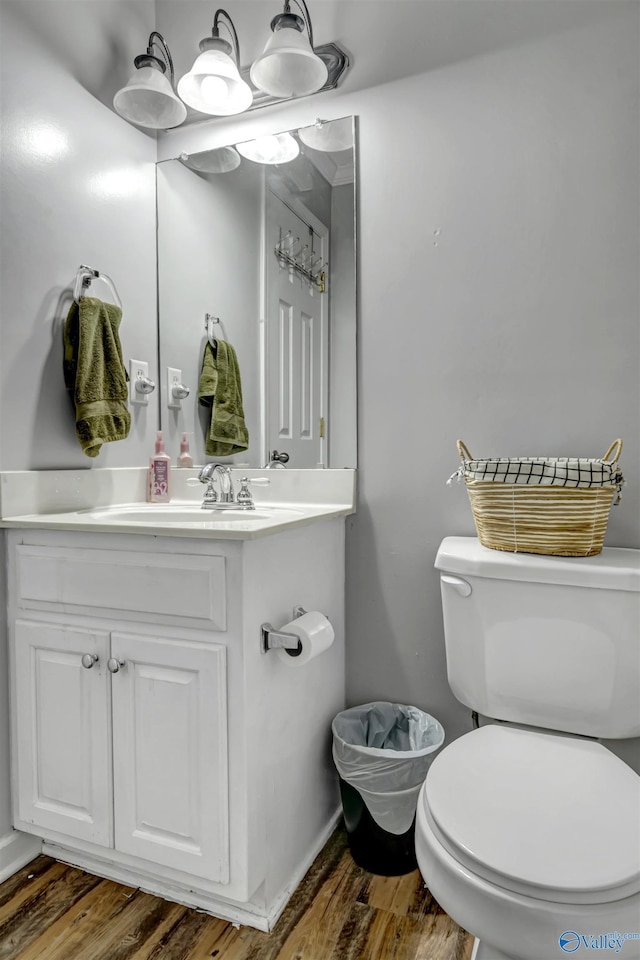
column 94, row 373
column 220, row 389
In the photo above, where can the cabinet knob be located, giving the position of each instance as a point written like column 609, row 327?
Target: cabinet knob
column 89, row 659
column 113, row 665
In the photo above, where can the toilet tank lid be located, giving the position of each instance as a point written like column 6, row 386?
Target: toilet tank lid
column 616, row 568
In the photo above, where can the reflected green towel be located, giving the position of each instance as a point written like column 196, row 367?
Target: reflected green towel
column 220, row 388
column 94, row 373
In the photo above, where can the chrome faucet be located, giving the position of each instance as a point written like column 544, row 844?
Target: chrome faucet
column 228, row 499
column 207, row 475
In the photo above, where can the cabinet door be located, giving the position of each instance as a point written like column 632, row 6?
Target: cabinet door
column 170, row 753
column 62, row 730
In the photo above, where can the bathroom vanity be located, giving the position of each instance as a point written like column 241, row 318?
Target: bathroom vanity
column 153, row 742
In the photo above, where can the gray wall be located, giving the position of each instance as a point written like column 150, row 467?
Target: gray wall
column 77, row 186
column 498, row 303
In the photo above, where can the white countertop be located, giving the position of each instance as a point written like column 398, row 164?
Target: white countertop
column 85, row 501
column 208, row 524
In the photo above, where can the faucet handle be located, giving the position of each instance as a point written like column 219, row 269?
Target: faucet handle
column 244, row 494
column 210, row 495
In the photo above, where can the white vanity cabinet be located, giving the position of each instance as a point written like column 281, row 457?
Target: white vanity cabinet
column 153, row 741
column 121, row 737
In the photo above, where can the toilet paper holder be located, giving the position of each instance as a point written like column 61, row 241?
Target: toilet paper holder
column 271, row 639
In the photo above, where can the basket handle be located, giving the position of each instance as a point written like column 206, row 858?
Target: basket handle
column 465, row 453
column 613, row 453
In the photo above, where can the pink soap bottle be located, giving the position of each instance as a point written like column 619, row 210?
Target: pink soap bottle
column 185, row 459
column 159, row 473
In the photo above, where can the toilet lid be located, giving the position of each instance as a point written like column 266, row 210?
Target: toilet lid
column 554, row 817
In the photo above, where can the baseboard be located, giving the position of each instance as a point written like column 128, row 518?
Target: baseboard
column 244, row 914
column 282, row 900
column 16, row 850
column 247, row 914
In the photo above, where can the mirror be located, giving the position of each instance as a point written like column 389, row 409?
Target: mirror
column 256, row 247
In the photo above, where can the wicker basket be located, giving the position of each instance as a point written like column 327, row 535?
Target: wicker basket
column 536, row 514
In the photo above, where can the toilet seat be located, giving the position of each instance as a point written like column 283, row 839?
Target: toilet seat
column 551, row 817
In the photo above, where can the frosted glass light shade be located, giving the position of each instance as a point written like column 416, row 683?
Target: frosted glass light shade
column 288, row 67
column 214, row 85
column 218, row 160
column 280, row 148
column 329, row 136
column 149, row 101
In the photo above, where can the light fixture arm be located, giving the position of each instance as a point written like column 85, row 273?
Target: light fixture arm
column 306, row 16
column 215, row 32
column 149, row 58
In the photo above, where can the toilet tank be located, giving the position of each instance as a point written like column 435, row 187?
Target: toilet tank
column 544, row 641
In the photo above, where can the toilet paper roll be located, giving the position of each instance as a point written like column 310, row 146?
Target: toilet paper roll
column 315, row 634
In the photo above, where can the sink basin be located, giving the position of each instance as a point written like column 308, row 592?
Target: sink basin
column 185, row 513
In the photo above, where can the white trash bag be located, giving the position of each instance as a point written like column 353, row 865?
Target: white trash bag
column 384, row 750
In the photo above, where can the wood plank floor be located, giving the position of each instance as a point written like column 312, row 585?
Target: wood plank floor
column 49, row 911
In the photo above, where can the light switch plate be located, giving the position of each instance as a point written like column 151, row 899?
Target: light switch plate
column 174, row 377
column 137, row 370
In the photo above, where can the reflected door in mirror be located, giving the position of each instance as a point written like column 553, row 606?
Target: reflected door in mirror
column 297, row 340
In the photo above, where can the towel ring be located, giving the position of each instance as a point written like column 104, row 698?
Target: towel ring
column 209, row 323
column 84, row 278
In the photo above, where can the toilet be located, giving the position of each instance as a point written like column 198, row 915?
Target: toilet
column 528, row 828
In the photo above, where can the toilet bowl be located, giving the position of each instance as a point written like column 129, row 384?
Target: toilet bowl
column 527, row 828
column 530, row 840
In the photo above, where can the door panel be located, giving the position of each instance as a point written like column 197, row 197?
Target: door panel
column 170, row 754
column 297, row 347
column 62, row 717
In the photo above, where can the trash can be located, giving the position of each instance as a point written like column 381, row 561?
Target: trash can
column 382, row 752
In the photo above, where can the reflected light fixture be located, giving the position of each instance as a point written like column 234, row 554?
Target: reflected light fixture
column 280, row 148
column 218, row 160
column 148, row 99
column 214, row 85
column 288, row 66
column 329, row 136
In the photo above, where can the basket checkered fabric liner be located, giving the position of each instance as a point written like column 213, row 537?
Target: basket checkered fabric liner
column 543, row 471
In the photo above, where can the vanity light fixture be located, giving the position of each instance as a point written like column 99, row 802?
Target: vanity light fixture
column 148, row 99
column 217, row 85
column 214, row 85
column 289, row 66
column 280, row 148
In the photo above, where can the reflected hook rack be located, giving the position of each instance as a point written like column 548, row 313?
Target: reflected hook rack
column 288, row 258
